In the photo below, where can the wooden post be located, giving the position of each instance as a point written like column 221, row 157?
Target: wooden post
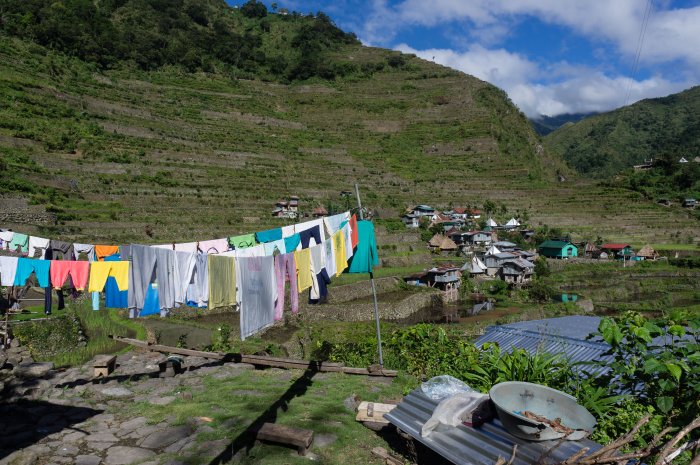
column 374, row 290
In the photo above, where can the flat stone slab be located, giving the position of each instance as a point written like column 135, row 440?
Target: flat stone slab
column 116, row 392
column 67, row 449
column 102, row 436
column 87, row 460
column 161, row 400
column 33, row 370
column 165, row 437
column 123, row 455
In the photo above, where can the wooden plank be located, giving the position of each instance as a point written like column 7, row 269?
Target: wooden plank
column 373, row 411
column 297, row 437
column 261, row 360
column 386, row 458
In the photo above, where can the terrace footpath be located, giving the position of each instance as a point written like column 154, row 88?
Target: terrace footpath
column 60, row 417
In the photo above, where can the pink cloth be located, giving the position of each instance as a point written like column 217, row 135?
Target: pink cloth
column 213, row 246
column 78, row 270
column 285, row 267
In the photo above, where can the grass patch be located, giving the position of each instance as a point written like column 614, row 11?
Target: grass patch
column 314, row 403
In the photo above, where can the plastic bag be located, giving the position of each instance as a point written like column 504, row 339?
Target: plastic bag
column 444, row 386
column 469, row 408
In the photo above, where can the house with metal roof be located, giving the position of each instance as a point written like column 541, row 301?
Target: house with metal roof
column 557, row 249
column 565, row 335
column 618, row 250
column 517, row 271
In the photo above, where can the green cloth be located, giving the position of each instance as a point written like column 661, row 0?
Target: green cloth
column 243, row 241
column 222, row 281
column 365, row 256
column 20, row 240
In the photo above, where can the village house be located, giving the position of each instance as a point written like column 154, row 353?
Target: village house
column 557, row 249
column 495, row 261
column 590, row 250
column 475, row 238
column 511, row 224
column 618, row 250
column 517, row 271
column 689, row 203
column 319, row 212
column 287, row 209
column 442, row 243
column 647, row 253
column 411, row 220
column 505, row 246
column 475, row 267
column 445, row 277
column 423, row 210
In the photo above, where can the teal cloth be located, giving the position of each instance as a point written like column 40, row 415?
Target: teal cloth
column 21, row 240
column 269, row 236
column 292, row 242
column 365, row 256
column 242, row 241
column 27, row 266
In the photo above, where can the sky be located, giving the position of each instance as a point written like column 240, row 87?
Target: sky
column 551, row 56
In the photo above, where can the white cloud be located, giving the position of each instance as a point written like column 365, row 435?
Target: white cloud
column 576, row 90
column 671, row 34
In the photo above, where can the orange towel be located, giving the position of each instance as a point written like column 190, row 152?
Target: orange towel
column 354, row 237
column 103, row 251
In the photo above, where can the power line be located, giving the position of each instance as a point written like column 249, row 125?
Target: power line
column 640, row 45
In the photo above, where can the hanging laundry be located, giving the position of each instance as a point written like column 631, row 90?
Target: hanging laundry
column 27, row 266
column 301, row 227
column 165, row 246
column 87, row 250
column 269, row 235
column 255, row 251
column 60, row 250
column 48, row 300
column 339, row 252
column 151, row 305
column 286, row 270
column 242, row 241
column 5, row 239
column 320, row 278
column 292, row 242
column 79, row 272
column 258, row 291
column 365, row 257
column 222, row 281
column 353, row 229
column 303, row 261
column 20, row 241
column 147, row 262
column 333, row 222
column 287, row 231
column 115, row 297
column 199, row 291
column 185, row 263
column 8, row 271
column 37, row 247
column 213, row 246
column 329, row 253
column 275, row 246
column 309, row 235
column 102, row 251
column 95, row 301
column 347, row 235
column 190, row 247
column 100, row 271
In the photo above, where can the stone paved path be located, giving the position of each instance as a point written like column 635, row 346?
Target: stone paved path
column 51, row 417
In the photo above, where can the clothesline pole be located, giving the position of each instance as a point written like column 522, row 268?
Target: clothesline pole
column 374, row 289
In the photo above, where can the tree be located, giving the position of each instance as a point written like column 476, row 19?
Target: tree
column 254, row 9
column 542, row 267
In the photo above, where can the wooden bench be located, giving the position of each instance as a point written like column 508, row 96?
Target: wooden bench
column 297, row 437
column 104, row 365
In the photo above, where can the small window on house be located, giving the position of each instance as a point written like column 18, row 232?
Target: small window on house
column 569, row 251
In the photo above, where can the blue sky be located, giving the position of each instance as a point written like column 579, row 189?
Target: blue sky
column 550, row 56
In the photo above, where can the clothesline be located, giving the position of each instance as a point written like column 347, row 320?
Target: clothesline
column 250, row 277
column 283, row 239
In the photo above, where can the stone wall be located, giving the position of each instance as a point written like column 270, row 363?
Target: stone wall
column 16, row 210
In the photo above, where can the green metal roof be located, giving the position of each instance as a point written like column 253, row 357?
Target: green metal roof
column 554, row 245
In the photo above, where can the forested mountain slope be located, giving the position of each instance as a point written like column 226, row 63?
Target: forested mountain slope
column 605, row 144
column 122, row 147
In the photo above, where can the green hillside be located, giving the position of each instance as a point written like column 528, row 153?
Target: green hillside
column 124, row 150
column 605, row 144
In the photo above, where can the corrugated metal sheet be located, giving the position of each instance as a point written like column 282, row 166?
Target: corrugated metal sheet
column 565, row 335
column 464, row 445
